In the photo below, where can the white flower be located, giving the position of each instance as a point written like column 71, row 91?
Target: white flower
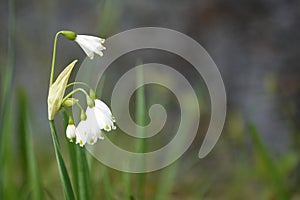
column 98, row 118
column 71, row 131
column 88, row 131
column 104, row 116
column 90, row 45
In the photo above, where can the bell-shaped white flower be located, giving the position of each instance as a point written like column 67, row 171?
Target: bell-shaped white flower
column 88, row 131
column 71, row 132
column 98, row 118
column 90, row 45
column 104, row 116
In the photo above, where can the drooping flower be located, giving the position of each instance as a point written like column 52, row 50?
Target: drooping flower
column 88, row 131
column 90, row 45
column 98, row 118
column 104, row 116
column 71, row 132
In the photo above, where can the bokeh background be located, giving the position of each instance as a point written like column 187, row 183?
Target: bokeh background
column 253, row 43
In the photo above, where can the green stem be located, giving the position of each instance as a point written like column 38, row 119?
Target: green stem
column 79, row 83
column 140, row 119
column 83, row 174
column 54, row 57
column 74, row 91
column 80, row 107
column 66, row 183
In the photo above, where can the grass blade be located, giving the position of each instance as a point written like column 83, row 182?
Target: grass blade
column 140, row 120
column 66, row 183
column 84, row 184
column 80, row 168
column 6, row 94
column 166, row 182
column 30, row 169
column 7, row 159
column 73, row 157
column 274, row 176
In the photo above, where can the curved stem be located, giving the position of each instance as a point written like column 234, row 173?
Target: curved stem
column 70, row 120
column 79, row 83
column 80, row 107
column 74, row 91
column 54, row 57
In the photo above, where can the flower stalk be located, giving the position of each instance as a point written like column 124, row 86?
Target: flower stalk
column 54, row 57
column 94, row 119
column 66, row 183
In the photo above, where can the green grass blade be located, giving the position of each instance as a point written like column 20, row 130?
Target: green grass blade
column 140, row 120
column 7, row 156
column 66, row 183
column 30, row 169
column 127, row 184
column 6, row 93
column 273, row 174
column 83, row 174
column 72, row 156
column 80, row 168
column 107, row 183
column 166, row 182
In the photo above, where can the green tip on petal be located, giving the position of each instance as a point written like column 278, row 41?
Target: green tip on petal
column 83, row 116
column 70, row 35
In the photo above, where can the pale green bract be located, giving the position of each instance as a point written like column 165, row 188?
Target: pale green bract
column 57, row 90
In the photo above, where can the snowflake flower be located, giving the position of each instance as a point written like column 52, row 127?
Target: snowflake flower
column 90, row 45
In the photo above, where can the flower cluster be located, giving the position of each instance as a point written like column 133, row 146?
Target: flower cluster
column 97, row 117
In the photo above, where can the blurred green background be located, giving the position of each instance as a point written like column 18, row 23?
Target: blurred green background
column 253, row 43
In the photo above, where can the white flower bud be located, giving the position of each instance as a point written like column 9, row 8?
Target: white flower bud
column 71, row 132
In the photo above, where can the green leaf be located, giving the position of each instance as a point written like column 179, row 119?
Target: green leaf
column 65, row 180
column 6, row 83
column 72, row 155
column 80, row 168
column 30, row 169
column 274, row 176
column 140, row 119
column 84, row 183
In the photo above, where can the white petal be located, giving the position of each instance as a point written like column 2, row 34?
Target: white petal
column 104, row 121
column 92, row 38
column 71, row 131
column 83, row 132
column 84, row 45
column 101, row 105
column 90, row 45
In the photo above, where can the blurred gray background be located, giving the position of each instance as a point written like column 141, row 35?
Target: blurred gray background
column 254, row 44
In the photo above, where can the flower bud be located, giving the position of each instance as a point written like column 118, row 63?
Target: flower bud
column 69, row 102
column 57, row 91
column 71, row 132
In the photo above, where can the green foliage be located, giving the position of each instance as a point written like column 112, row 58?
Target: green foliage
column 29, row 163
column 64, row 176
column 275, row 178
